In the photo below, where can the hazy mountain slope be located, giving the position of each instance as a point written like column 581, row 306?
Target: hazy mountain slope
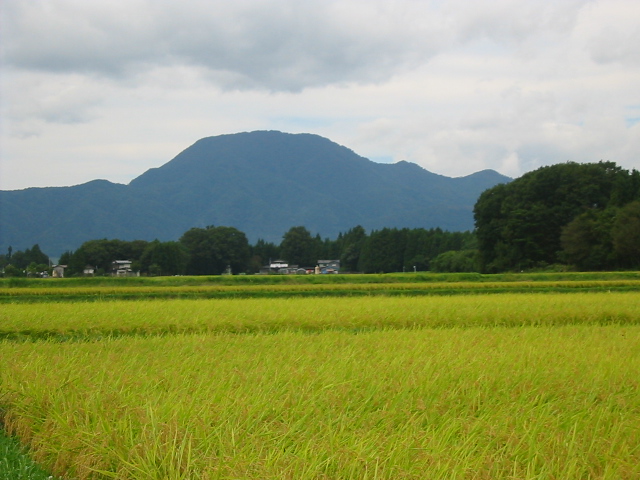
column 260, row 182
column 61, row 218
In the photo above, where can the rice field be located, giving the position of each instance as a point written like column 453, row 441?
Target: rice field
column 508, row 385
column 102, row 293
column 84, row 320
column 14, row 290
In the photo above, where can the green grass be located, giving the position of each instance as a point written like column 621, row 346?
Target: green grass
column 300, row 286
column 15, row 464
column 239, row 280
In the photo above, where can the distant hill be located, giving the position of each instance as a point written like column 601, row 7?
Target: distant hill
column 262, row 183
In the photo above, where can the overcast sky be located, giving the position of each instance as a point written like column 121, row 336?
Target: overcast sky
column 109, row 88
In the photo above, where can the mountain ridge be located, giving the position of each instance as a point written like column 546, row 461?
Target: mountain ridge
column 261, row 182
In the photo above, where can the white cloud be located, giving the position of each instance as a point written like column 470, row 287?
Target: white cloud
column 107, row 89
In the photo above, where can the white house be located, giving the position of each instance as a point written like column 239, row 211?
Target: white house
column 58, row 271
column 121, row 268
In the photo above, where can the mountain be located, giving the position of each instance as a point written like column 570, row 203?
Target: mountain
column 262, row 183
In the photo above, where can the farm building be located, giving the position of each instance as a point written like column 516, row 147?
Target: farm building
column 58, row 271
column 122, row 268
column 329, row 266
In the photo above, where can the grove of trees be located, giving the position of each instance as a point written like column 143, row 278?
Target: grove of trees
column 31, row 261
column 585, row 216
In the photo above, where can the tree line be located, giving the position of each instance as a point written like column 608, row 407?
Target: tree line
column 213, row 250
column 30, row 262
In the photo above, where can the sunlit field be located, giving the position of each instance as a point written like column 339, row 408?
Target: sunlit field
column 485, row 386
column 158, row 317
column 14, row 290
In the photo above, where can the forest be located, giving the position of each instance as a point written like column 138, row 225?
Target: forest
column 583, row 216
column 211, row 250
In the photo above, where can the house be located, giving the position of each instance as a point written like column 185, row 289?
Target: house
column 278, row 264
column 89, row 271
column 58, row 271
column 293, row 270
column 122, row 268
column 283, row 268
column 329, row 266
column 274, row 267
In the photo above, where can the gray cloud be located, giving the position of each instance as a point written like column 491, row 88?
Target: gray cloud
column 282, row 45
column 279, row 45
column 612, row 45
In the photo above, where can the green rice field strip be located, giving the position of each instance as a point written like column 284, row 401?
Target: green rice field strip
column 420, row 277
column 45, row 293
column 543, row 402
column 268, row 315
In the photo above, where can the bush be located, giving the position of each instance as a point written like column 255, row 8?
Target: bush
column 456, row 261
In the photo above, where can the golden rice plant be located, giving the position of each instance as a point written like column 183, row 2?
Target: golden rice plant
column 532, row 402
column 93, row 319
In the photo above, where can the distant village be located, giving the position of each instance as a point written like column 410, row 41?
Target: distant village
column 226, row 251
column 283, row 268
column 123, row 268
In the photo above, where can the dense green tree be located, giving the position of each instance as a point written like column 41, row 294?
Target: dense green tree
column 201, row 247
column 164, row 258
column 12, row 271
column 35, row 255
column 350, row 246
column 262, row 253
column 625, row 235
column 6, row 259
column 133, row 251
column 456, row 261
column 22, row 259
column 232, row 248
column 383, row 251
column 265, row 251
column 424, row 245
column 31, row 261
column 490, row 221
column 416, row 250
column 37, row 269
column 66, row 258
column 212, row 249
column 519, row 224
column 396, row 250
column 586, row 240
column 19, row 260
column 326, row 249
column 298, row 247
